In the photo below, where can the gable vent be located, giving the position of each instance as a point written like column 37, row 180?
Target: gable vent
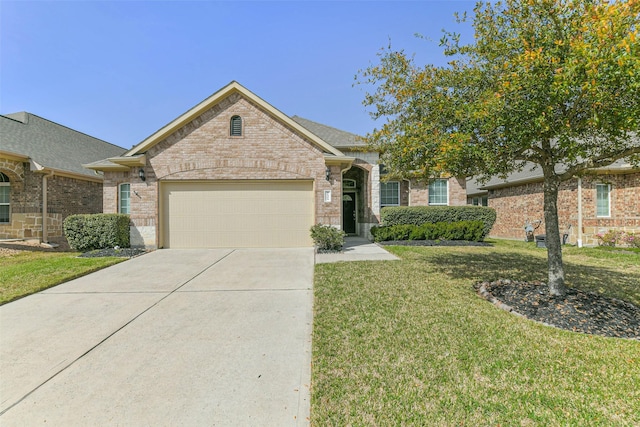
column 236, row 126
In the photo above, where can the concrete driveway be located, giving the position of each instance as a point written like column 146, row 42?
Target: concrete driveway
column 174, row 337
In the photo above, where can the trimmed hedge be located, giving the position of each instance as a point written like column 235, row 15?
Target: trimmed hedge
column 87, row 232
column 461, row 230
column 327, row 238
column 418, row 215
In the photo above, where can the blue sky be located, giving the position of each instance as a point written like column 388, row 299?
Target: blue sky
column 120, row 70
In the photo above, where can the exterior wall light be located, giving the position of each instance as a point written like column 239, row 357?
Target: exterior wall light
column 141, row 175
column 328, row 173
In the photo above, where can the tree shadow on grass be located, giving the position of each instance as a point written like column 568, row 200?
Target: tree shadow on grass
column 492, row 266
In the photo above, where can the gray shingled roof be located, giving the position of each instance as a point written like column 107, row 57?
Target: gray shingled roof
column 336, row 137
column 52, row 145
column 530, row 173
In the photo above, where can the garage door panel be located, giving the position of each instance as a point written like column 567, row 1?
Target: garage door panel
column 237, row 213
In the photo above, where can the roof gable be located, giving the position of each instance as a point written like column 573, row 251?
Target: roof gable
column 210, row 102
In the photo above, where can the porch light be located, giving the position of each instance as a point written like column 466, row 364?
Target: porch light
column 141, row 175
column 328, row 173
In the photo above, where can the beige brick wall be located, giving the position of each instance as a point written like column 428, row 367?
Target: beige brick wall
column 514, row 205
column 419, row 192
column 203, row 150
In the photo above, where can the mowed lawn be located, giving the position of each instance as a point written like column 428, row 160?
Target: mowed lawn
column 30, row 271
column 409, row 343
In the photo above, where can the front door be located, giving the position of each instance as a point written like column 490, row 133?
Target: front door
column 349, row 213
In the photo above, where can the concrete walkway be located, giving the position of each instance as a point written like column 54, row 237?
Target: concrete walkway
column 174, row 337
column 357, row 249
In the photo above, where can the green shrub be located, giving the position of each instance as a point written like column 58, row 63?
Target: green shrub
column 87, row 232
column 418, row 215
column 327, row 238
column 461, row 230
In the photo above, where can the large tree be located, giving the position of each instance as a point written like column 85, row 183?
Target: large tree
column 550, row 83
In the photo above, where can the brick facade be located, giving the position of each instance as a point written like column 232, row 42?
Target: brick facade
column 65, row 196
column 516, row 204
column 203, row 150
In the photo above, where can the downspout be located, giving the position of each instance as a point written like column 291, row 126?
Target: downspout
column 579, row 212
column 45, row 226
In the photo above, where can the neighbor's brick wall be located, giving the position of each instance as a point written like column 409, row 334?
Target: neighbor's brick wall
column 203, row 150
column 514, row 205
column 69, row 196
column 65, row 196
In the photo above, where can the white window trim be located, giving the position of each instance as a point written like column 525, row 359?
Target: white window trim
column 7, row 184
column 608, row 187
column 389, row 204
column 120, row 197
column 447, row 193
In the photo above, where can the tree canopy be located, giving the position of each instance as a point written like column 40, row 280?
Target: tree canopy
column 555, row 83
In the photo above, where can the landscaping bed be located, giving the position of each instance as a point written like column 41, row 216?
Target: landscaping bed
column 112, row 252
column 432, row 243
column 577, row 311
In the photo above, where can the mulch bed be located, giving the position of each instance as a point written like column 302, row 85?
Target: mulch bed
column 576, row 311
column 433, row 243
column 121, row 252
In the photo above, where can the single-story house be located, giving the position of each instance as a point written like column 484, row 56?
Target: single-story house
column 41, row 175
column 234, row 171
column 605, row 199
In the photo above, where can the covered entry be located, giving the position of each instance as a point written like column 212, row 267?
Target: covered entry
column 214, row 214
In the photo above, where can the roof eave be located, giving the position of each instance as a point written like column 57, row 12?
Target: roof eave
column 14, row 156
column 132, row 161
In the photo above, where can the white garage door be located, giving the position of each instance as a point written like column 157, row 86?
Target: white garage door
column 236, row 214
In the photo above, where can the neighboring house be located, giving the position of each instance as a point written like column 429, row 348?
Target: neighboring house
column 607, row 198
column 234, row 171
column 41, row 171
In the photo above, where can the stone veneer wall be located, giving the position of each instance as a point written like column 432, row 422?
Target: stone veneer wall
column 65, row 196
column 514, row 205
column 203, row 150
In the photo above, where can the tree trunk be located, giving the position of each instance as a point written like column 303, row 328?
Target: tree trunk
column 553, row 243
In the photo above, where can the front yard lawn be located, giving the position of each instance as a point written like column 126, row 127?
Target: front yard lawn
column 410, row 343
column 28, row 272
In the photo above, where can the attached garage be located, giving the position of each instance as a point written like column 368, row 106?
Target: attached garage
column 236, row 213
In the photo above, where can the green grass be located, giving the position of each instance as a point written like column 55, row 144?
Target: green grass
column 409, row 343
column 29, row 272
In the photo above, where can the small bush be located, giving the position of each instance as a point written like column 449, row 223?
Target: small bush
column 418, row 215
column 327, row 238
column 87, row 232
column 610, row 238
column 461, row 230
column 613, row 238
column 632, row 240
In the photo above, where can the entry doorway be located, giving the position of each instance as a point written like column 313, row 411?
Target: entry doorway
column 349, row 210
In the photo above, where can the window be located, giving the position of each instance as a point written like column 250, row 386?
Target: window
column 480, row 201
column 603, row 200
column 438, row 192
column 5, row 194
column 235, row 128
column 124, row 198
column 390, row 193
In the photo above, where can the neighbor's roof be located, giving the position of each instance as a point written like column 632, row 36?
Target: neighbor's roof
column 532, row 173
column 336, row 137
column 52, row 146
